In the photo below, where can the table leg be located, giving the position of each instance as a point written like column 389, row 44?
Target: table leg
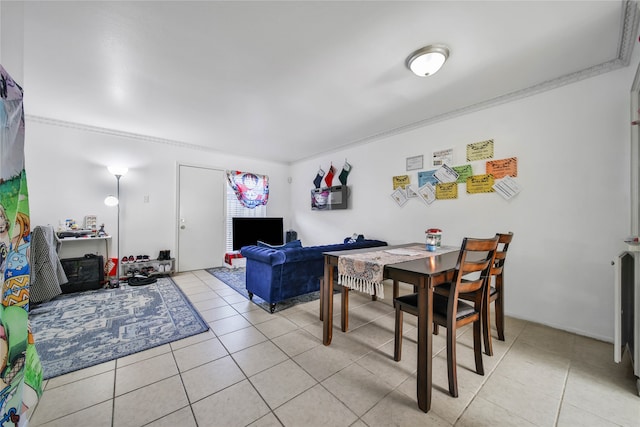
column 327, row 303
column 396, row 289
column 345, row 309
column 321, row 294
column 425, row 344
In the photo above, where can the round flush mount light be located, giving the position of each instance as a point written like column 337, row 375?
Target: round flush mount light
column 427, row 60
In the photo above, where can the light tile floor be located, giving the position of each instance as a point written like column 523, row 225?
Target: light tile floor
column 260, row 369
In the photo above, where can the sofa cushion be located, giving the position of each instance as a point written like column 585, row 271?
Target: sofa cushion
column 291, row 244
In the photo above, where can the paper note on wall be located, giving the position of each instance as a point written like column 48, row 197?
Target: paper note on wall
column 400, row 181
column 427, row 177
column 503, row 167
column 480, row 150
column 446, row 174
column 507, row 187
column 480, row 184
column 427, row 193
column 447, row 190
column 442, row 156
column 399, row 196
column 464, row 172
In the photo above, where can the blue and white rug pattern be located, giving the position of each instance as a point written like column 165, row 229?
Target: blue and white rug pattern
column 75, row 331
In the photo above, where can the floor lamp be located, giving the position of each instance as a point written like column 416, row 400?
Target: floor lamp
column 118, row 172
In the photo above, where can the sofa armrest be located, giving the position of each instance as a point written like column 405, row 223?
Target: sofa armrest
column 264, row 255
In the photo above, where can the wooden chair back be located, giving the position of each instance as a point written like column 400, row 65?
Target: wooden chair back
column 476, row 259
column 501, row 253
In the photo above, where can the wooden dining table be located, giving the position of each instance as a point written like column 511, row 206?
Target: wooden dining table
column 424, row 274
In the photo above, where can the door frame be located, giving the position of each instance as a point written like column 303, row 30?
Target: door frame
column 177, row 207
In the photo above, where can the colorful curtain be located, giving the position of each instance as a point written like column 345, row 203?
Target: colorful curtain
column 252, row 190
column 20, row 369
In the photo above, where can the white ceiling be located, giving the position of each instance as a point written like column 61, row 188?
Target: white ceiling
column 288, row 80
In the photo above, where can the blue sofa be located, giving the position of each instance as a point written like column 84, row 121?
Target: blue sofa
column 275, row 274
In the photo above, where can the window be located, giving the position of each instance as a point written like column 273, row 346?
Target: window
column 235, row 209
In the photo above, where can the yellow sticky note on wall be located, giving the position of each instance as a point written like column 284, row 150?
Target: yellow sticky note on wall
column 480, row 184
column 401, row 181
column 448, row 190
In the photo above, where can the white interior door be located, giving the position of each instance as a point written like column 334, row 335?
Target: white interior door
column 201, row 199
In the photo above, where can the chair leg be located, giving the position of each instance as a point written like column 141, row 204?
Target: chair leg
column 435, row 329
column 452, row 363
column 486, row 328
column 397, row 342
column 499, row 307
column 477, row 346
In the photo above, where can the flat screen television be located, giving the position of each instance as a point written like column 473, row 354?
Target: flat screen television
column 247, row 231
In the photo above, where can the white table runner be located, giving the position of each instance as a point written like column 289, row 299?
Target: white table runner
column 364, row 272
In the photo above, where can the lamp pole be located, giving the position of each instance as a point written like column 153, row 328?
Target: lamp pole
column 118, row 172
column 118, row 230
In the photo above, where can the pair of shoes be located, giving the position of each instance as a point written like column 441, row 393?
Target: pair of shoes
column 164, row 255
column 164, row 268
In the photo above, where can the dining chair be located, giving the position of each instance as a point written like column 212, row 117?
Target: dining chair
column 471, row 278
column 496, row 293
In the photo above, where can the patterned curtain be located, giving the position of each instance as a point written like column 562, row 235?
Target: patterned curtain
column 20, row 369
column 252, row 190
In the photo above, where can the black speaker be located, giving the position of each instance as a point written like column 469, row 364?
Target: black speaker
column 85, row 273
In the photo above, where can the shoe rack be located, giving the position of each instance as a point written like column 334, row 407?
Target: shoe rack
column 152, row 267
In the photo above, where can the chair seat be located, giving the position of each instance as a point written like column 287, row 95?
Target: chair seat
column 439, row 306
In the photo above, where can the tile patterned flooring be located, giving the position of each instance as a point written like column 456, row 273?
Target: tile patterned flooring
column 260, row 369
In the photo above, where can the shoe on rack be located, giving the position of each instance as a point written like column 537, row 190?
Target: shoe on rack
column 139, row 258
column 125, row 259
column 145, row 257
column 131, row 258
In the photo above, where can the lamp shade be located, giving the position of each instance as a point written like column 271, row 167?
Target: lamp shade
column 111, row 201
column 118, row 170
column 427, row 60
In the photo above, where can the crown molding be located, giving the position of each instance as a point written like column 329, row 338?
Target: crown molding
column 628, row 31
column 114, row 132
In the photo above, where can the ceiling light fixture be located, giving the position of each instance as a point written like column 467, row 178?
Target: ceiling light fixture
column 428, row 60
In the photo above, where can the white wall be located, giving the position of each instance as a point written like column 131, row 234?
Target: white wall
column 12, row 39
column 68, row 178
column 572, row 145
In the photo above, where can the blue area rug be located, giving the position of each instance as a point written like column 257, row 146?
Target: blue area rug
column 75, row 331
column 235, row 278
